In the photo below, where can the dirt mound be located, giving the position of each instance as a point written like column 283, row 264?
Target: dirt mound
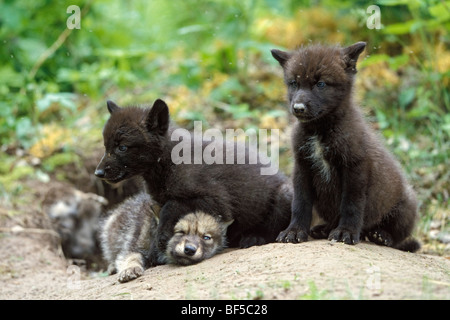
column 30, row 269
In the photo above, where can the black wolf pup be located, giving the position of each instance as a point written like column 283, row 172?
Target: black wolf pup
column 341, row 166
column 138, row 142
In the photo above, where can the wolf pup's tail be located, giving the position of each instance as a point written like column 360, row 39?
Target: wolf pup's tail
column 409, row 244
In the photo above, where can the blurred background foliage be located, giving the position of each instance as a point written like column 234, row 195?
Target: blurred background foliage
column 210, row 60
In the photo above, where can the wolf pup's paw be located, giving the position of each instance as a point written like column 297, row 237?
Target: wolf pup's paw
column 130, row 274
column 320, row 231
column 293, row 235
column 345, row 235
column 380, row 237
column 252, row 240
column 111, row 269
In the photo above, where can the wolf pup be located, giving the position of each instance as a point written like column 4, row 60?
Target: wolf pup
column 138, row 142
column 197, row 236
column 341, row 167
column 126, row 235
column 75, row 215
column 130, row 228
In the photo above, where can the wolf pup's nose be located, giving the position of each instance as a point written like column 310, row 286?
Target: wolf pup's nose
column 100, row 173
column 299, row 108
column 190, row 250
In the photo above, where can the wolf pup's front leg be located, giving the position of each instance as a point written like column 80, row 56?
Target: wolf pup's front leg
column 302, row 205
column 353, row 201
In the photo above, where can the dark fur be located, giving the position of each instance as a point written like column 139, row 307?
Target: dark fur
column 259, row 205
column 341, row 167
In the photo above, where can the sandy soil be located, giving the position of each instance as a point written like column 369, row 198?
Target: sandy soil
column 30, row 268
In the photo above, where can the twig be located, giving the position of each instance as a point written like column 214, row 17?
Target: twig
column 19, row 229
column 51, row 50
column 47, row 53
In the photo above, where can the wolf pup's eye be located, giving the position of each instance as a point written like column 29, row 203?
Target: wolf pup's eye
column 292, row 84
column 122, row 148
column 320, row 84
column 206, row 237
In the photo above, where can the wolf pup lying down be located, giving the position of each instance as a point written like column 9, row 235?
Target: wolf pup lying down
column 130, row 228
column 197, row 236
column 138, row 142
column 341, row 167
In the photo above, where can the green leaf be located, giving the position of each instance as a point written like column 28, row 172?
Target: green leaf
column 192, row 115
column 446, row 125
column 409, row 3
column 374, row 59
column 400, row 28
column 241, row 111
column 60, row 159
column 192, row 29
column 393, row 2
column 25, row 130
column 440, row 11
column 394, row 62
column 406, row 97
column 10, row 78
column 64, row 99
column 31, row 49
column 277, row 113
column 398, row 61
column 382, row 119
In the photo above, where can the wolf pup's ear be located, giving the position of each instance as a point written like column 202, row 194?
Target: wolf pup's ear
column 112, row 107
column 158, row 117
column 280, row 56
column 351, row 55
column 224, row 224
column 228, row 223
column 156, row 209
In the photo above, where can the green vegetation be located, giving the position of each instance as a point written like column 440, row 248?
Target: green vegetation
column 210, row 61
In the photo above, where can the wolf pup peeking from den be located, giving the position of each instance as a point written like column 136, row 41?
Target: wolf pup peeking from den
column 138, row 142
column 341, row 167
